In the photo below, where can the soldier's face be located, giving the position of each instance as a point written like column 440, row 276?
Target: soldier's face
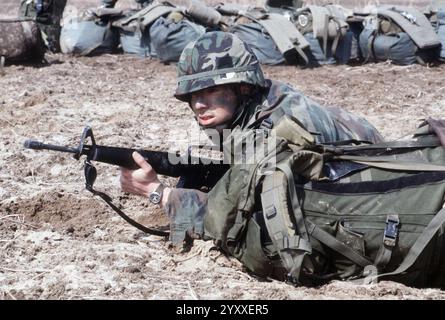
column 214, row 107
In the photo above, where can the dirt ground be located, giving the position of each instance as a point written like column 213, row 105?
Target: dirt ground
column 57, row 241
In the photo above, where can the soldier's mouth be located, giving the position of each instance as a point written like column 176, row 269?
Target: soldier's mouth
column 205, row 120
column 205, row 117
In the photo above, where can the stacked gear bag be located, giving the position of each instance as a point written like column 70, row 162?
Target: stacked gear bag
column 272, row 36
column 90, row 33
column 159, row 30
column 327, row 31
column 170, row 35
column 283, row 32
column 345, row 211
column 398, row 33
column 47, row 14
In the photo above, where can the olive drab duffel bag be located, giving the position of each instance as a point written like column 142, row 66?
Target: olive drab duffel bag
column 20, row 41
column 352, row 212
column 47, row 14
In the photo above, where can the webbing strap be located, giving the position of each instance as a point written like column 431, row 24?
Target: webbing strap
column 336, row 245
column 325, row 33
column 388, row 162
column 291, row 247
column 389, row 240
column 383, row 257
column 338, row 36
column 144, row 17
column 425, row 142
column 284, row 33
column 296, row 209
column 428, row 233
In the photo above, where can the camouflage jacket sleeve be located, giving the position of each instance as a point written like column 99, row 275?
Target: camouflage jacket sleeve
column 186, row 209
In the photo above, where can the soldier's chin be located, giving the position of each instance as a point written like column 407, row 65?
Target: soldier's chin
column 219, row 127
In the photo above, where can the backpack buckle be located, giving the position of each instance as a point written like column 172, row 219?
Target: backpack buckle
column 391, row 230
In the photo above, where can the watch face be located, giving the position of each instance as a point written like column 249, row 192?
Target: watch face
column 155, row 197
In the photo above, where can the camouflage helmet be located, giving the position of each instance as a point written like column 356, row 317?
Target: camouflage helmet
column 213, row 59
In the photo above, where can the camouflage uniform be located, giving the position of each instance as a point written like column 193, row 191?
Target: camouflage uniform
column 220, row 58
column 47, row 14
column 111, row 3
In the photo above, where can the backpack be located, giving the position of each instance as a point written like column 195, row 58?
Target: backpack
column 170, row 37
column 327, row 32
column 136, row 41
column 20, row 41
column 275, row 28
column 134, row 28
column 47, row 14
column 341, row 211
column 342, row 54
column 400, row 34
column 259, row 41
column 88, row 35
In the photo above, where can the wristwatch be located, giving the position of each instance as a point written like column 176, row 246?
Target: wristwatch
column 156, row 196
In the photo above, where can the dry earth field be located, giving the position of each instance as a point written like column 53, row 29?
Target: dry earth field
column 57, row 241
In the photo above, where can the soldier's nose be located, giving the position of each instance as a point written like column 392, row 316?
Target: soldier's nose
column 200, row 104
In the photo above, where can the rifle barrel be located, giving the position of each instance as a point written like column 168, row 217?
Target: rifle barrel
column 37, row 145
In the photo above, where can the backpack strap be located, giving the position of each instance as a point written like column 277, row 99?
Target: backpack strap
column 141, row 19
column 292, row 245
column 284, row 33
column 327, row 24
column 320, row 25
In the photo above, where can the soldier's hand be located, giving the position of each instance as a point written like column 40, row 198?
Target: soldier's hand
column 141, row 181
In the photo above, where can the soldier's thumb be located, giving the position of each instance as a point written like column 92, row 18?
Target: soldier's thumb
column 141, row 161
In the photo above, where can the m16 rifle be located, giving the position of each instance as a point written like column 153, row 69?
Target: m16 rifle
column 164, row 163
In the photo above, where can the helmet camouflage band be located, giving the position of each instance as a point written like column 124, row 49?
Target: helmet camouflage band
column 213, row 59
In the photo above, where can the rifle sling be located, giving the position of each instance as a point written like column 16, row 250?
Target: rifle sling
column 134, row 223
